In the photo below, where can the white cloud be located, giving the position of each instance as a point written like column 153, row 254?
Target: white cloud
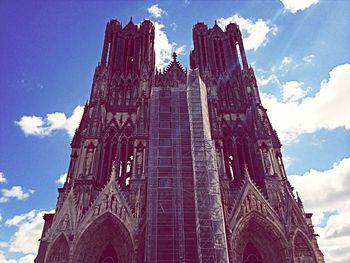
column 4, row 244
column 39, row 126
column 294, row 6
column 180, row 50
column 62, row 179
column 263, row 81
column 156, row 11
column 2, row 178
column 293, row 91
column 27, row 259
column 330, row 193
column 4, row 260
column 18, row 219
column 286, row 60
column 309, row 59
column 163, row 48
column 16, row 192
column 29, row 227
column 255, row 33
column 327, row 109
column 186, row 3
column 286, row 64
column 173, row 26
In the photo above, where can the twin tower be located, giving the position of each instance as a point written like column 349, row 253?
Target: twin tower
column 176, row 165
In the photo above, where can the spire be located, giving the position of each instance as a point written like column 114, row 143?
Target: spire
column 246, row 172
column 299, row 202
column 174, row 56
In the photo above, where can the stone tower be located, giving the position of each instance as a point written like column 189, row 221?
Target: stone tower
column 175, row 165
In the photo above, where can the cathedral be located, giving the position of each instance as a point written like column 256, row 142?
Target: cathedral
column 176, row 165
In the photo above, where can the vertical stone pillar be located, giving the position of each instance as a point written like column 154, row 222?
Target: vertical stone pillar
column 212, row 245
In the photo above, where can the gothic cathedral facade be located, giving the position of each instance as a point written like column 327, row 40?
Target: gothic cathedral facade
column 176, row 165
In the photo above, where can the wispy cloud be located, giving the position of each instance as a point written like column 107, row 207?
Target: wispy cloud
column 185, row 3
column 286, row 65
column 30, row 84
column 156, row 11
column 263, row 81
column 15, row 192
column 309, row 59
column 45, row 126
column 173, row 26
column 62, row 179
column 255, row 33
column 293, row 91
column 3, row 180
column 294, row 6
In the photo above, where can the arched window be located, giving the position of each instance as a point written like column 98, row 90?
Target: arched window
column 118, row 147
column 125, row 158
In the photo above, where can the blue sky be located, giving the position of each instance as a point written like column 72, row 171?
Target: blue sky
column 48, row 53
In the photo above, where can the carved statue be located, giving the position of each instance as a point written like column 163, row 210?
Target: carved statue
column 97, row 210
column 252, row 201
column 139, row 162
column 105, row 202
column 267, row 161
column 114, row 203
column 88, row 162
column 65, row 222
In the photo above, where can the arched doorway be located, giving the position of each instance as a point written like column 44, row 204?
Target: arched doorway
column 257, row 240
column 303, row 252
column 106, row 240
column 59, row 251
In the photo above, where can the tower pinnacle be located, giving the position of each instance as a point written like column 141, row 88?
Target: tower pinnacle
column 174, row 56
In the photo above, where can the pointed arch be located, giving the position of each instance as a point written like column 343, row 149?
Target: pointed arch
column 103, row 236
column 117, row 146
column 302, row 248
column 263, row 237
column 112, row 125
column 251, row 254
column 128, row 123
column 59, row 251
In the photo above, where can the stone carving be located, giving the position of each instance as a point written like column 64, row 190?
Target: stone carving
column 267, row 162
column 139, row 162
column 64, row 222
column 251, row 203
column 88, row 162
